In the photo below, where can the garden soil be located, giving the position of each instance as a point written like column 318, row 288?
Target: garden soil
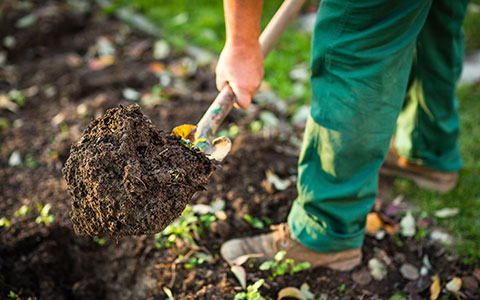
column 64, row 92
column 127, row 177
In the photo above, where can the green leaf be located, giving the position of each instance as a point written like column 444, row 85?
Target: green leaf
column 267, row 265
column 4, row 222
column 280, row 255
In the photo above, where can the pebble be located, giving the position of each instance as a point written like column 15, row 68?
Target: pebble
column 362, row 277
column 377, row 269
column 409, row 271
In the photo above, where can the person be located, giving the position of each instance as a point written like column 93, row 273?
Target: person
column 379, row 68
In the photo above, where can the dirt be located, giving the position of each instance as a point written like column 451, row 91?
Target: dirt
column 127, row 177
column 50, row 261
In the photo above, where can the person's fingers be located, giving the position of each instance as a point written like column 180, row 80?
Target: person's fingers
column 220, row 82
column 244, row 97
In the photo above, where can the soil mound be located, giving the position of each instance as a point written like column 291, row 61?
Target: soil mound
column 128, row 178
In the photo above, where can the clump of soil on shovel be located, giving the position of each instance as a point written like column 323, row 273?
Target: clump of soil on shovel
column 128, row 178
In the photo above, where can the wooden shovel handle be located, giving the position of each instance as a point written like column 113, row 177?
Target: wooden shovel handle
column 221, row 106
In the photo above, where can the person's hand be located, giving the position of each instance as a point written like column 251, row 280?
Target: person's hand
column 241, row 67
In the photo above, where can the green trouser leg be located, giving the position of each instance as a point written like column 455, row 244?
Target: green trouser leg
column 362, row 55
column 428, row 128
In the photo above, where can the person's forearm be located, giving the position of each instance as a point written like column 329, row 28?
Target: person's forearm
column 242, row 21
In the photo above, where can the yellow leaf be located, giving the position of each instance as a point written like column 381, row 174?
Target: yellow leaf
column 185, row 131
column 374, row 223
column 435, row 288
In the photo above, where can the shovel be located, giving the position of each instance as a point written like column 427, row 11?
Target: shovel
column 221, row 106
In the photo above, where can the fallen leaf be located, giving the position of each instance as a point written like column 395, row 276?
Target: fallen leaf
column 240, row 274
column 454, row 285
column 168, row 292
column 407, row 225
column 15, row 159
column 291, row 292
column 374, row 223
column 377, row 269
column 6, row 103
column 441, row 237
column 185, row 131
column 435, row 287
column 392, row 229
column 277, row 182
column 156, row 67
column 409, row 271
column 446, row 212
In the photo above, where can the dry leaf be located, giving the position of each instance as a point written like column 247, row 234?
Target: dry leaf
column 407, row 225
column 454, row 285
column 446, row 212
column 185, row 131
column 240, row 274
column 291, row 292
column 435, row 287
column 374, row 223
column 156, row 67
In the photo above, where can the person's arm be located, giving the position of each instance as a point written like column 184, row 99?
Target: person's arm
column 241, row 62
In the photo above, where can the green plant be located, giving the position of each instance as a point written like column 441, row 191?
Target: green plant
column 98, row 240
column 22, row 211
column 12, row 295
column 196, row 259
column 45, row 216
column 252, row 292
column 17, row 96
column 183, row 229
column 280, row 266
column 4, row 222
column 254, row 222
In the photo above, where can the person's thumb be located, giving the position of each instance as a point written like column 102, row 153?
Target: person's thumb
column 243, row 97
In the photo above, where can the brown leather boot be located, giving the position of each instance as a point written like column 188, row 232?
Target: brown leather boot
column 424, row 177
column 279, row 239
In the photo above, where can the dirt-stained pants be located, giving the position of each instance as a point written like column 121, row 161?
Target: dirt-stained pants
column 362, row 58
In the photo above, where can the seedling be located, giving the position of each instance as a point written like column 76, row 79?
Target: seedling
column 196, row 259
column 254, row 222
column 252, row 292
column 4, row 222
column 280, row 266
column 45, row 216
column 98, row 240
column 12, row 295
column 22, row 211
column 184, row 229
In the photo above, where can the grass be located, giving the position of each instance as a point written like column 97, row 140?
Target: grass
column 466, row 196
column 201, row 23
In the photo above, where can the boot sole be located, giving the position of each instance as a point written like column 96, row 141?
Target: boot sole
column 345, row 265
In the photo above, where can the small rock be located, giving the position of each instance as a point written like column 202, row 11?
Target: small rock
column 409, row 271
column 446, row 212
column 399, row 258
column 161, row 49
column 470, row 283
column 362, row 277
column 222, row 228
column 454, row 285
column 377, row 269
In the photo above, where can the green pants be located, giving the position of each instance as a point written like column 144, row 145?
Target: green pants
column 370, row 59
